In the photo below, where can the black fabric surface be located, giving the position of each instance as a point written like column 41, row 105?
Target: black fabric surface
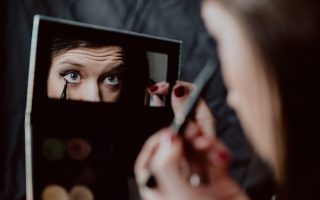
column 176, row 19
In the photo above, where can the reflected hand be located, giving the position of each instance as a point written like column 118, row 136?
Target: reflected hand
column 157, row 91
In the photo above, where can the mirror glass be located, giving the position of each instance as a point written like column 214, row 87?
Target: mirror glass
column 104, row 71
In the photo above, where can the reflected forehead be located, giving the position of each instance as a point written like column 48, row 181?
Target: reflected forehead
column 99, row 51
column 105, row 53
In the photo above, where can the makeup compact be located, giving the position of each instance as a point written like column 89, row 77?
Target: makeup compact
column 88, row 107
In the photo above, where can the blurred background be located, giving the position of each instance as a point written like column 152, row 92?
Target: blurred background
column 175, row 19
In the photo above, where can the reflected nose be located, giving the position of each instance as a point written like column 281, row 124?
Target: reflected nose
column 92, row 92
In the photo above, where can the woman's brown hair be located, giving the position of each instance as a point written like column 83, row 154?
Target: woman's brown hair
column 287, row 35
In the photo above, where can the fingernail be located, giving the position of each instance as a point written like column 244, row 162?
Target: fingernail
column 153, row 88
column 224, row 157
column 221, row 159
column 179, row 91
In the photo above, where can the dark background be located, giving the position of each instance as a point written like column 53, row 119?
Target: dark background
column 176, row 19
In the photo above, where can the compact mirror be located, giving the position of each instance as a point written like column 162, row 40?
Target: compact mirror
column 90, row 109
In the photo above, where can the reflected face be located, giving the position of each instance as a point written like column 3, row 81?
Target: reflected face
column 249, row 90
column 91, row 74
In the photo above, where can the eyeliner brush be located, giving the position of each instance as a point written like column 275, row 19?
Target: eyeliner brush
column 179, row 122
column 63, row 95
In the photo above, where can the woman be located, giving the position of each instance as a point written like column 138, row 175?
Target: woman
column 269, row 55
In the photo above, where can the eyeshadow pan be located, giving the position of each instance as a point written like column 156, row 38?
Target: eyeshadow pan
column 54, row 192
column 78, row 148
column 81, row 192
column 53, row 149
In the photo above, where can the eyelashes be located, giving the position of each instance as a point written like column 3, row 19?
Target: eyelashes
column 72, row 77
column 112, row 80
column 63, row 95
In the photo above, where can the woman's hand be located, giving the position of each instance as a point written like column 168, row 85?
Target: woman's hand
column 192, row 167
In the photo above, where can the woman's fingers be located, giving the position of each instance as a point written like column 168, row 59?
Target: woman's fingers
column 157, row 92
column 204, row 118
column 160, row 156
column 220, row 154
column 202, row 113
column 167, row 161
column 216, row 152
column 160, row 88
column 180, row 94
column 189, row 167
column 141, row 167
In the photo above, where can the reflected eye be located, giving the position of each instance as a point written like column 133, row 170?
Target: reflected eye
column 112, row 80
column 71, row 77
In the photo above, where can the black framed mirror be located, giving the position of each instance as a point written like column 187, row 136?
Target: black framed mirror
column 88, row 107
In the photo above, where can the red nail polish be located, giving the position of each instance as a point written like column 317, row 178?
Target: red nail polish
column 179, row 91
column 224, row 157
column 153, row 88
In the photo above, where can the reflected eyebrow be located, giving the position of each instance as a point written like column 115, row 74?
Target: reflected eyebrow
column 72, row 63
column 110, row 69
column 117, row 68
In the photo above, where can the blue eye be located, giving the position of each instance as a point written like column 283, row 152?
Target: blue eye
column 111, row 80
column 71, row 77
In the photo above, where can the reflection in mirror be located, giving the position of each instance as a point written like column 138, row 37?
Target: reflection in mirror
column 104, row 72
column 157, row 75
column 81, row 70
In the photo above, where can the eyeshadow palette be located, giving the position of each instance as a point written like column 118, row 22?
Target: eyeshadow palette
column 88, row 107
